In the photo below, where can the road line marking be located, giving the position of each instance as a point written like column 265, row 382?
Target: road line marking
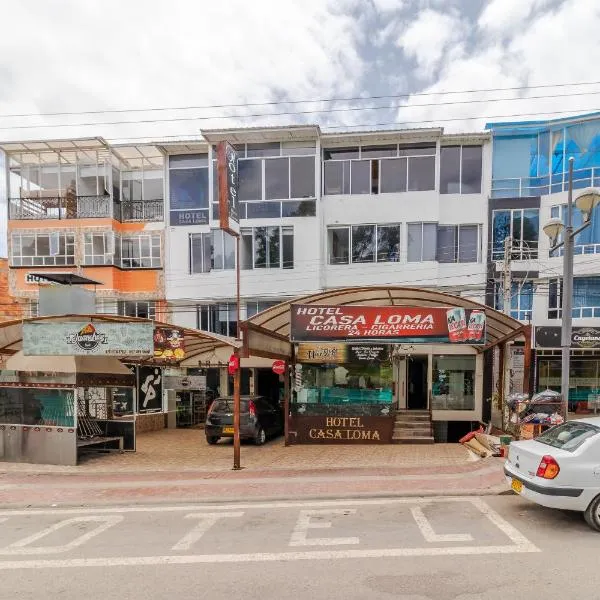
column 22, row 547
column 430, row 535
column 142, row 561
column 236, row 506
column 207, row 520
column 305, row 522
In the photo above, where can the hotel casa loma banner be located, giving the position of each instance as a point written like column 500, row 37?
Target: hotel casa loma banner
column 395, row 324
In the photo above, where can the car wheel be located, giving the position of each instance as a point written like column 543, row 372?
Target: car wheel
column 260, row 437
column 212, row 440
column 592, row 514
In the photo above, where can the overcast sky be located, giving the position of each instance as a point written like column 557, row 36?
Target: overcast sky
column 98, row 55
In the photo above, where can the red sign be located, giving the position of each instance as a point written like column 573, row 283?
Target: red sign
column 401, row 324
column 278, row 367
column 234, row 364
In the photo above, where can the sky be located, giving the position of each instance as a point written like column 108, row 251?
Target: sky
column 402, row 57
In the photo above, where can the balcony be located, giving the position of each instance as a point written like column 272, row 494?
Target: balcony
column 140, row 210
column 84, row 207
column 519, row 187
column 73, row 207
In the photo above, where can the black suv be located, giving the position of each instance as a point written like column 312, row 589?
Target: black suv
column 259, row 419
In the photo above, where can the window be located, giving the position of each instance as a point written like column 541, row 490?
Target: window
column 99, row 248
column 586, row 298
column 586, row 242
column 267, row 248
column 188, row 189
column 460, row 170
column 253, row 308
column 211, row 251
column 139, row 251
column 363, row 243
column 144, row 309
column 522, row 225
column 217, row 318
column 453, row 383
column 521, row 299
column 200, row 252
column 457, row 243
column 143, row 185
column 422, row 242
column 37, row 249
column 379, row 169
column 568, row 436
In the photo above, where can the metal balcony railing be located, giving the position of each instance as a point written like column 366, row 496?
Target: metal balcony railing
column 74, row 207
column 519, row 187
column 141, row 210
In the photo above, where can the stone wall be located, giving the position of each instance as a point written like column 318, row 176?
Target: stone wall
column 149, row 422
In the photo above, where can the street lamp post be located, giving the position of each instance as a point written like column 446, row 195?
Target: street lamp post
column 585, row 202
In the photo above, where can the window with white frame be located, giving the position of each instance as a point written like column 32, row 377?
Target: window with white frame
column 211, row 251
column 138, row 251
column 144, row 309
column 522, row 225
column 521, row 299
column 42, row 249
column 269, row 247
column 217, row 318
column 99, row 248
column 460, row 169
column 586, row 298
column 142, row 185
column 363, row 243
column 421, row 242
column 379, row 169
column 458, row 243
column 586, row 241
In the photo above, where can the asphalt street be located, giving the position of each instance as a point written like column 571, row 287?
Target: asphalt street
column 495, row 547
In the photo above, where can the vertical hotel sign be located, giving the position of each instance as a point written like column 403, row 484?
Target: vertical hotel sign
column 227, row 168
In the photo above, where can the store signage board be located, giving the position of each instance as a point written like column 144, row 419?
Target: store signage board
column 227, row 169
column 341, row 429
column 169, row 344
column 185, row 382
column 278, row 367
column 83, row 338
column 392, row 324
column 35, row 279
column 341, row 353
column 182, row 218
column 149, row 391
column 581, row 337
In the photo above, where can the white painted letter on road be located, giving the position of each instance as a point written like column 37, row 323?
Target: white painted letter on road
column 207, row 520
column 305, row 523
column 430, row 535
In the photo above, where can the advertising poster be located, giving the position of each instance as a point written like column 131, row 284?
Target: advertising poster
column 169, row 344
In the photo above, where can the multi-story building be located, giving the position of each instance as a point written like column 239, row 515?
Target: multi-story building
column 529, row 186
column 325, row 210
column 86, row 207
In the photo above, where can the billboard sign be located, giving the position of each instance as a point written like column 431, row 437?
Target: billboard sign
column 393, row 324
column 333, row 353
column 87, row 339
column 229, row 208
column 169, row 344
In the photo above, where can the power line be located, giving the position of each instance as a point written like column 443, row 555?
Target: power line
column 314, row 101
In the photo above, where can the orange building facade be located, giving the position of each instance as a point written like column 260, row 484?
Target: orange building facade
column 82, row 206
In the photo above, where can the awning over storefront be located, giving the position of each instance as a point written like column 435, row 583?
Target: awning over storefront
column 267, row 333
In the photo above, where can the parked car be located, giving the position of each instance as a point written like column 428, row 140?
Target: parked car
column 560, row 468
column 259, row 419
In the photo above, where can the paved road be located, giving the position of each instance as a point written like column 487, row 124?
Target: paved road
column 441, row 548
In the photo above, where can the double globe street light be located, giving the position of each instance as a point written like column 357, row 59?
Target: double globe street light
column 586, row 201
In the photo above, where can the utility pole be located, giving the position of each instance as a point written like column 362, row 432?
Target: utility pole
column 507, row 276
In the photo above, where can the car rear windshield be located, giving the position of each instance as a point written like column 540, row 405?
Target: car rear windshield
column 568, row 436
column 226, row 405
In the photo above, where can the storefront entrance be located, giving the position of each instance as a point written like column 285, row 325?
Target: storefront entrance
column 416, row 397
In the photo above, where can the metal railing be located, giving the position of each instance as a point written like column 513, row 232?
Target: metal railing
column 519, row 187
column 74, row 207
column 141, row 210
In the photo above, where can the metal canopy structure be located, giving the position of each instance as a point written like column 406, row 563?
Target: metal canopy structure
column 268, row 333
column 200, row 346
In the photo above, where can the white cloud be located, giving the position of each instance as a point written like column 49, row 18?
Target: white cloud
column 387, row 6
column 505, row 15
column 427, row 38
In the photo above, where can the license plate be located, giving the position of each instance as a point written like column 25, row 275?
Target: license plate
column 227, row 429
column 517, row 486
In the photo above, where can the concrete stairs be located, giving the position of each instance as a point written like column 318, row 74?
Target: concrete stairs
column 413, row 427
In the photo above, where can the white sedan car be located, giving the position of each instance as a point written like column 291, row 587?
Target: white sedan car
column 560, row 468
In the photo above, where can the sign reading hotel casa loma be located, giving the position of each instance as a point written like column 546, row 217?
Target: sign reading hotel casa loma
column 401, row 324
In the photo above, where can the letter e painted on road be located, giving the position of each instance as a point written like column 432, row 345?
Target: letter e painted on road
column 305, row 522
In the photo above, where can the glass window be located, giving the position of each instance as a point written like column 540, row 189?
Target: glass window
column 188, row 188
column 450, row 170
column 132, row 185
column 42, row 249
column 468, row 243
column 140, row 251
column 360, row 177
column 298, row 149
column 259, row 150
column 302, row 177
column 378, row 151
column 287, row 247
column 421, row 173
column 471, row 170
column 98, row 248
column 424, row 149
column 250, row 179
column 447, row 240
column 422, row 242
column 363, row 243
column 188, row 161
column 568, row 436
column 246, row 251
column 153, row 185
column 200, row 252
column 453, row 383
column 145, row 309
column 339, row 246
column 262, row 210
column 388, row 243
column 522, row 226
column 277, row 178
column 266, row 247
column 303, row 208
column 340, row 153
column 393, row 173
column 217, row 318
column 521, row 299
column 337, row 177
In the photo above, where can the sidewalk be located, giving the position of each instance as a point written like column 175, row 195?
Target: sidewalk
column 170, row 468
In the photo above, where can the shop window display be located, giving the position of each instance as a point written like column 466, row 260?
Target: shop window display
column 453, row 383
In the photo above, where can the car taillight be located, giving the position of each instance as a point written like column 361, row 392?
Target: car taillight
column 251, row 409
column 548, row 468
